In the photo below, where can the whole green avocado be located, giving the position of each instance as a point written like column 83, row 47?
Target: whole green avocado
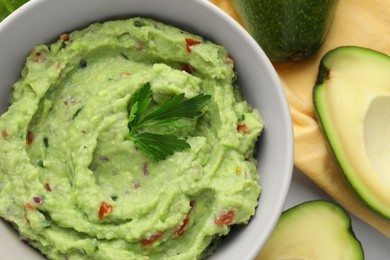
column 287, row 30
column 8, row 6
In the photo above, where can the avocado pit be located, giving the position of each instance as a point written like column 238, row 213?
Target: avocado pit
column 377, row 134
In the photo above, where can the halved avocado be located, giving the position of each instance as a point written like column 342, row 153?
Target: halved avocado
column 352, row 101
column 316, row 229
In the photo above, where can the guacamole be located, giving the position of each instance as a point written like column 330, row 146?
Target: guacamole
column 74, row 187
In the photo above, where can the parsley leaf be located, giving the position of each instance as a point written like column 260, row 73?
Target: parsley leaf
column 176, row 108
column 138, row 105
column 160, row 145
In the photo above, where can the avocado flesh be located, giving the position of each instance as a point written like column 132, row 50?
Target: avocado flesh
column 313, row 230
column 352, row 102
column 287, row 30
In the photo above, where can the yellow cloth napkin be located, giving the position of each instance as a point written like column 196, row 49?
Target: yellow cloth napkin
column 364, row 23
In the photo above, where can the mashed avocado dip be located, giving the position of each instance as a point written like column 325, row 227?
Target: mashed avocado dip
column 75, row 188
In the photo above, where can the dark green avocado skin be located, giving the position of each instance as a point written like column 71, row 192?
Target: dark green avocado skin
column 287, row 30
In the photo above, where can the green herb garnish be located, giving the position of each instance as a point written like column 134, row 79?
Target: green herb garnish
column 40, row 164
column 46, row 142
column 160, row 145
column 83, row 64
column 76, row 113
column 124, row 56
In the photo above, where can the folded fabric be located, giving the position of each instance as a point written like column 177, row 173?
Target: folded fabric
column 362, row 23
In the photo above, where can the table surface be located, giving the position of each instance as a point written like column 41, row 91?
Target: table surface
column 375, row 245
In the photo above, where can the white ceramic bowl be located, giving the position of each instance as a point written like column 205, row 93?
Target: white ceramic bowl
column 41, row 21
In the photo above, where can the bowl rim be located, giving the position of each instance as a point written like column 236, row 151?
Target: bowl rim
column 289, row 163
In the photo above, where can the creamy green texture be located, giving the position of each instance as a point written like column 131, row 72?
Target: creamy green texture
column 72, row 185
